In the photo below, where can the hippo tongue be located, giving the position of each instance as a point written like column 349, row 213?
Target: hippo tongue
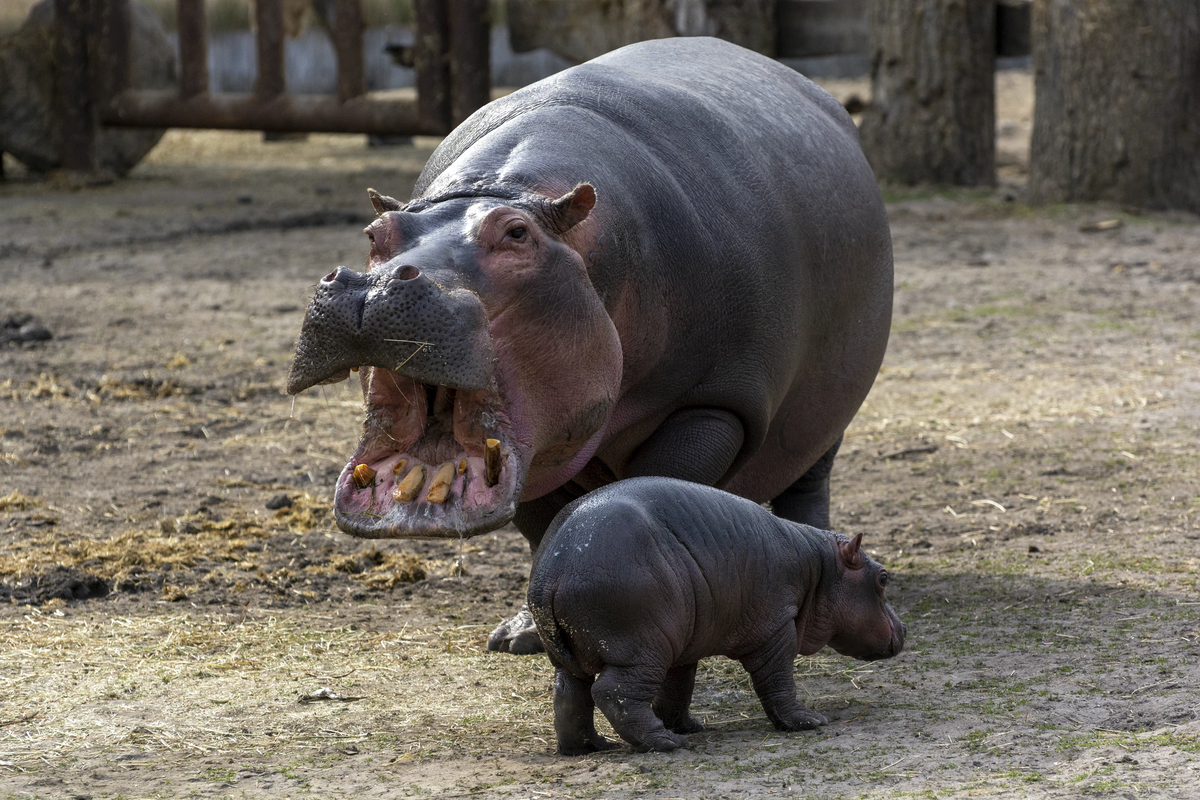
column 433, row 462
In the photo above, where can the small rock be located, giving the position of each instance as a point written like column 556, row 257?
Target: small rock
column 279, row 501
column 1033, row 548
column 34, row 333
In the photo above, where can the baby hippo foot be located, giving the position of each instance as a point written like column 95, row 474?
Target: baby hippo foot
column 583, row 746
column 658, row 741
column 800, row 719
column 518, row 635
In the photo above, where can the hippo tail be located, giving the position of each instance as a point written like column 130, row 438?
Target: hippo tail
column 552, row 634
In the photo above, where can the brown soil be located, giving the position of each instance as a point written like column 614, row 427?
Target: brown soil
column 1026, row 466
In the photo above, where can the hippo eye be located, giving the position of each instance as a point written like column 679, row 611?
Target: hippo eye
column 883, row 579
column 518, row 233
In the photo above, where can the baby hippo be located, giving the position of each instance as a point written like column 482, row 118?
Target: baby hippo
column 637, row 581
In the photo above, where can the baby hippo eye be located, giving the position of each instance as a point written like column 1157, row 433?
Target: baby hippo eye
column 517, row 234
column 883, row 579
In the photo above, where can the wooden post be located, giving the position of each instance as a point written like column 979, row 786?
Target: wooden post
column 75, row 108
column 193, row 49
column 430, row 59
column 470, row 72
column 348, row 41
column 268, row 18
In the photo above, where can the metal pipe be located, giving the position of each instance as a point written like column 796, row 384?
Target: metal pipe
column 284, row 112
column 193, row 48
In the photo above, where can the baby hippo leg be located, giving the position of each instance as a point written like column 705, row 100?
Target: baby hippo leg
column 675, row 697
column 574, row 716
column 624, row 694
column 770, row 669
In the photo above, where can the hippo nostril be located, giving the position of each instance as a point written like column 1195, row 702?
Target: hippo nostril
column 338, row 274
column 407, row 272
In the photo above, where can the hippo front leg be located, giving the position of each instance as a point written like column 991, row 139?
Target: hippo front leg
column 517, row 635
column 807, row 500
column 771, row 671
column 693, row 444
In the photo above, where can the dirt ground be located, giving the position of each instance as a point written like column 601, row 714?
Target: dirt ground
column 1026, row 466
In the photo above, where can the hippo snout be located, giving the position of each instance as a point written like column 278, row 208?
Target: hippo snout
column 396, row 319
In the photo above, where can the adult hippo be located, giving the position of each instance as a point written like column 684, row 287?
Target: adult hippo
column 672, row 260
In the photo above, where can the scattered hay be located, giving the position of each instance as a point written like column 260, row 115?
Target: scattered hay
column 144, row 388
column 50, row 387
column 169, row 547
column 393, row 570
column 17, row 502
column 305, row 513
column 180, row 361
column 377, row 569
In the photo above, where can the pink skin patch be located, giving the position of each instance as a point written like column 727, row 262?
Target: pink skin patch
column 557, row 359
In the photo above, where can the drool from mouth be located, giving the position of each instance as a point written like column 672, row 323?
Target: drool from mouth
column 434, row 461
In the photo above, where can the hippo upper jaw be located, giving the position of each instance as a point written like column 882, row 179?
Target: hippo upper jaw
column 423, row 467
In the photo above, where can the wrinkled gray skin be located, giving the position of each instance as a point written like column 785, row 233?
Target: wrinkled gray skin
column 704, row 292
column 637, row 581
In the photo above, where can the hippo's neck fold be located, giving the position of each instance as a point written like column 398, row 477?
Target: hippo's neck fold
column 816, row 552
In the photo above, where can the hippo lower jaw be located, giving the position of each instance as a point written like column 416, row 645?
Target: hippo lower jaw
column 422, row 468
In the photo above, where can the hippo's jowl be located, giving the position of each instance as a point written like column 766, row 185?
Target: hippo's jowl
column 639, row 580
column 673, row 260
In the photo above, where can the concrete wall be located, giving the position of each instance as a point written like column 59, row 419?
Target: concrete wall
column 312, row 66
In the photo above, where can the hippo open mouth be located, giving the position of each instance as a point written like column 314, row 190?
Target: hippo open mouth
column 433, row 460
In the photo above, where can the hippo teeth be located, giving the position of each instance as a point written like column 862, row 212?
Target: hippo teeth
column 433, row 460
column 491, row 461
column 408, row 489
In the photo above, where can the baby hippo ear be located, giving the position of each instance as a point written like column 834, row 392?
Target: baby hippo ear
column 382, row 202
column 572, row 208
column 851, row 550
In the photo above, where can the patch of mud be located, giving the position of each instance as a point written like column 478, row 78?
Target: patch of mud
column 56, row 583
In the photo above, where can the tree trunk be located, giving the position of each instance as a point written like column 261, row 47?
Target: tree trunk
column 932, row 117
column 1117, row 109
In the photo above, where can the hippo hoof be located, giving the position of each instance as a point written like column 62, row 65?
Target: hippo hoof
column 689, row 725
column 663, row 742
column 594, row 744
column 518, row 636
column 802, row 721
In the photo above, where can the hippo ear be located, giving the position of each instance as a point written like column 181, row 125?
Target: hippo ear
column 382, row 202
column 851, row 550
column 572, row 208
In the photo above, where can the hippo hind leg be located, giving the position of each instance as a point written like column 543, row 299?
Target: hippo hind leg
column 625, row 695
column 575, row 716
column 807, row 500
column 770, row 670
column 674, row 698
